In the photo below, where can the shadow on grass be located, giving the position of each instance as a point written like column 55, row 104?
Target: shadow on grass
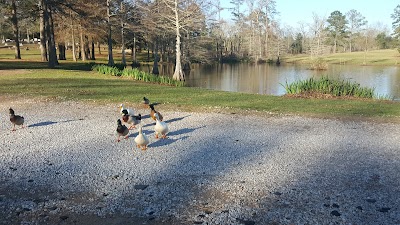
column 15, row 64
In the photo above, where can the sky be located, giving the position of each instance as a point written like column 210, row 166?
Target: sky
column 293, row 11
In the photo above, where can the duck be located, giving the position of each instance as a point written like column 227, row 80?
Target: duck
column 141, row 139
column 146, row 102
column 122, row 130
column 16, row 119
column 161, row 127
column 130, row 111
column 153, row 112
column 132, row 120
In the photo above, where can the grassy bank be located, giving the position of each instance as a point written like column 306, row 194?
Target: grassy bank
column 67, row 84
column 389, row 57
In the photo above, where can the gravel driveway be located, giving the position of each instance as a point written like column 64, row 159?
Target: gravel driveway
column 66, row 167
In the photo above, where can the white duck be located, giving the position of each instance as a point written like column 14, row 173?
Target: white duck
column 130, row 111
column 141, row 139
column 161, row 128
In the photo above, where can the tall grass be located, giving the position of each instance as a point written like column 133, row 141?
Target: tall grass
column 318, row 64
column 136, row 74
column 325, row 85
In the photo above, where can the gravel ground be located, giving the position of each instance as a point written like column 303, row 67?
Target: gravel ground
column 66, row 167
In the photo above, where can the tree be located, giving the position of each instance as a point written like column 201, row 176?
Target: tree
column 9, row 7
column 182, row 15
column 356, row 22
column 336, row 27
column 319, row 35
column 297, row 45
column 396, row 25
column 270, row 10
column 384, row 41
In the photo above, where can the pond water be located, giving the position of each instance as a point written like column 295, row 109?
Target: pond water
column 268, row 79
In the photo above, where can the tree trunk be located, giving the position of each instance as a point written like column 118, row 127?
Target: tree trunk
column 266, row 33
column 82, row 44
column 87, row 49
column 73, row 40
column 161, row 52
column 155, row 64
column 123, row 34
column 43, row 38
column 51, row 39
column 14, row 20
column 134, row 49
column 61, row 51
column 109, row 40
column 93, row 57
column 178, row 74
column 98, row 47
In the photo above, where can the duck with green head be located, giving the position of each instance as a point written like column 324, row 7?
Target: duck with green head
column 122, row 130
column 131, row 119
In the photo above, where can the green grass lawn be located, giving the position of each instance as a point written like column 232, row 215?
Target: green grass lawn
column 74, row 81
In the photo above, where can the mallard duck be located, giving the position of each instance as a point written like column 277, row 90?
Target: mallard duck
column 146, row 102
column 132, row 120
column 161, row 128
column 16, row 119
column 122, row 130
column 153, row 112
column 130, row 111
column 141, row 139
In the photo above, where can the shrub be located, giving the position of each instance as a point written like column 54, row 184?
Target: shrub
column 326, row 86
column 136, row 74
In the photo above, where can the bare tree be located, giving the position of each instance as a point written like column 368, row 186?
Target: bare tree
column 269, row 7
column 318, row 29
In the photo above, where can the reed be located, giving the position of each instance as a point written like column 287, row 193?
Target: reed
column 318, row 64
column 327, row 86
column 137, row 74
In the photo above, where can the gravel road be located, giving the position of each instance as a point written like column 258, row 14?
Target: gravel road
column 66, row 167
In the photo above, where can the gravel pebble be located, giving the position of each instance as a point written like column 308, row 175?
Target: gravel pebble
column 213, row 168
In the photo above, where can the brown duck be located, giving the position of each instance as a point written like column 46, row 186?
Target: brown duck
column 153, row 112
column 16, row 119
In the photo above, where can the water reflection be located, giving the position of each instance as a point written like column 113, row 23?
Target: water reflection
column 268, row 79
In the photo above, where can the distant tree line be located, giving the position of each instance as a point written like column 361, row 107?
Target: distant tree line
column 182, row 31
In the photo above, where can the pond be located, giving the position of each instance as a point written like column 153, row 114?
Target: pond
column 269, row 79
